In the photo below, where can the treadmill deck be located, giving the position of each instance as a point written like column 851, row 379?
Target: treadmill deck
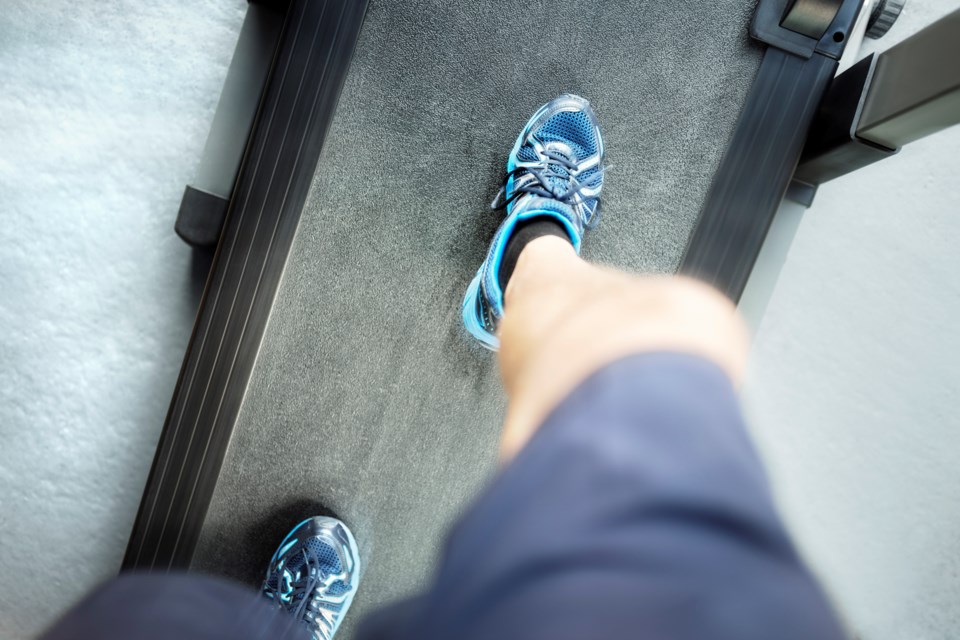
column 367, row 400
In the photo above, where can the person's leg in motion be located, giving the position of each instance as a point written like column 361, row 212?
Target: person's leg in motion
column 309, row 585
column 182, row 606
column 631, row 503
column 566, row 318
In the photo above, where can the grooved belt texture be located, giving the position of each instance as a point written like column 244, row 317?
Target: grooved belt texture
column 367, row 400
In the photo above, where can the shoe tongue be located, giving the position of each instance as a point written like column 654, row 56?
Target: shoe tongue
column 560, row 181
column 562, row 149
column 536, row 203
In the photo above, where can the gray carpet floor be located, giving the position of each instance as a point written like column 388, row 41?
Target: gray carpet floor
column 366, row 400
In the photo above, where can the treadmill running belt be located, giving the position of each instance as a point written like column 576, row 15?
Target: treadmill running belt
column 367, row 400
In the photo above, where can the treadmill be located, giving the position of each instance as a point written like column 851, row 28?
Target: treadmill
column 328, row 371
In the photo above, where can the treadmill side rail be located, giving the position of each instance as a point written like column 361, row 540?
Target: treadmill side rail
column 756, row 170
column 311, row 63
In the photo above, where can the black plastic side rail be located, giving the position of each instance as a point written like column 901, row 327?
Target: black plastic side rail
column 806, row 39
column 309, row 67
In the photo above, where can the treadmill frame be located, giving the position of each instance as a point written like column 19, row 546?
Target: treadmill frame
column 307, row 74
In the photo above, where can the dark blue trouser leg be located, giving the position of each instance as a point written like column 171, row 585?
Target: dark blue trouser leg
column 174, row 607
column 638, row 511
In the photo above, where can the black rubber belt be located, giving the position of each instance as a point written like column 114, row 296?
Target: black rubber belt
column 309, row 68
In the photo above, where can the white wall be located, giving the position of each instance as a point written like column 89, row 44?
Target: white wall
column 854, row 385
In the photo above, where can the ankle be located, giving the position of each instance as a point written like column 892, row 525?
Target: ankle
column 541, row 263
column 524, row 232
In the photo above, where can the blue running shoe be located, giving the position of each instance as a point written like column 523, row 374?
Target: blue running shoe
column 554, row 170
column 314, row 574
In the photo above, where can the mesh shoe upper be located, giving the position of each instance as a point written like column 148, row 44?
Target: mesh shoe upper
column 314, row 574
column 562, row 145
column 555, row 169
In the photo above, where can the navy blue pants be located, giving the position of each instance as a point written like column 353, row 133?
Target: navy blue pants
column 638, row 510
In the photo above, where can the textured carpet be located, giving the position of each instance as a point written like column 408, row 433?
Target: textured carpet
column 104, row 109
column 366, row 400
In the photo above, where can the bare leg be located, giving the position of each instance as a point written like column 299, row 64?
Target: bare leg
column 565, row 318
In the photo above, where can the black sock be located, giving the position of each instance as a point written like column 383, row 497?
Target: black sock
column 523, row 233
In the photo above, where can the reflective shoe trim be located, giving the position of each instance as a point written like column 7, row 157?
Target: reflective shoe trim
column 314, row 574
